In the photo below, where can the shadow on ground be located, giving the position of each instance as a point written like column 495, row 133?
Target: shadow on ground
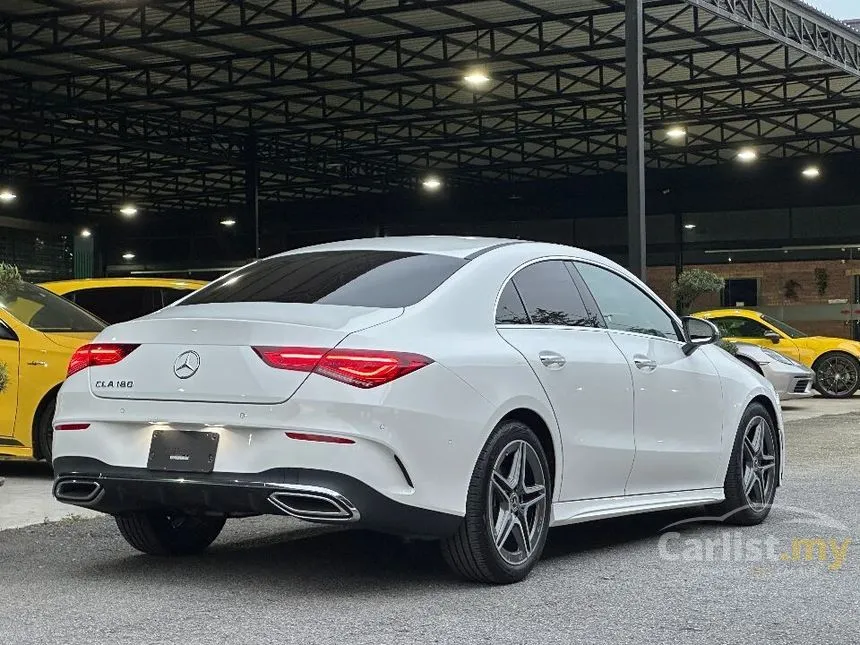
column 322, row 560
column 31, row 469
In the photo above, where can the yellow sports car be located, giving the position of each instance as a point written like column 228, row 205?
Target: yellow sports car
column 116, row 300
column 39, row 332
column 836, row 361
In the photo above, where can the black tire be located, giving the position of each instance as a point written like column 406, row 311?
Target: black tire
column 45, row 430
column 738, row 508
column 819, row 368
column 162, row 533
column 471, row 552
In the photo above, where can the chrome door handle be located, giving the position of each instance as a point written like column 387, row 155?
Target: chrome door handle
column 644, row 363
column 552, row 360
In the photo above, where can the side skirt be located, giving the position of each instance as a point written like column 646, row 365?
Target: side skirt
column 606, row 507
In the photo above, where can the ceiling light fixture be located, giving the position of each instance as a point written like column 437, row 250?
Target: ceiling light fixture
column 432, row 183
column 86, row 232
column 747, row 155
column 811, row 172
column 129, row 210
column 7, row 196
column 476, row 78
column 228, row 222
column 676, row 132
column 128, row 255
column 689, row 227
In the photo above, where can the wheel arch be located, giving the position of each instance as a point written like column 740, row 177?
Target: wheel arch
column 768, row 405
column 750, row 363
column 542, row 430
column 37, row 417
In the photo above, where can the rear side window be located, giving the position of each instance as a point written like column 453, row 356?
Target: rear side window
column 171, row 295
column 511, row 310
column 386, row 279
column 117, row 304
column 550, row 296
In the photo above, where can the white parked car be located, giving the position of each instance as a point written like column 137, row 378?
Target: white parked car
column 473, row 390
column 790, row 379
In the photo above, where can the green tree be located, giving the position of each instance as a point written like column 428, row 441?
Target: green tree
column 692, row 284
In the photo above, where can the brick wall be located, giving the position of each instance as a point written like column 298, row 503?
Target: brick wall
column 810, row 312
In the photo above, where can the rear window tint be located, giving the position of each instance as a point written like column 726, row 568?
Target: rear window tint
column 387, row 279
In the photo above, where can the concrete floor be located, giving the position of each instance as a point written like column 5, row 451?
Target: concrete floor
column 26, row 497
column 272, row 579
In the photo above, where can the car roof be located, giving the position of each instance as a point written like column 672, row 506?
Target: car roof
column 736, row 311
column 452, row 245
column 65, row 286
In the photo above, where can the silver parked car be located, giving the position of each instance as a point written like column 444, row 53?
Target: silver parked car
column 790, row 379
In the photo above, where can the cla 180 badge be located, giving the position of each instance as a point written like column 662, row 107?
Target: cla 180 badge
column 114, row 384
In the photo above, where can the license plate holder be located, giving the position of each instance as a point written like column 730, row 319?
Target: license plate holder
column 187, row 451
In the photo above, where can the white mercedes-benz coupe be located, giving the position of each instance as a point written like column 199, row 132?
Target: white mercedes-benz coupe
column 477, row 391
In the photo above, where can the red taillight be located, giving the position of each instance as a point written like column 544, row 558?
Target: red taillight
column 71, row 426
column 98, row 354
column 363, row 368
column 320, row 438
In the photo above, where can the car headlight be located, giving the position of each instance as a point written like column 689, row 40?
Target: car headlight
column 778, row 357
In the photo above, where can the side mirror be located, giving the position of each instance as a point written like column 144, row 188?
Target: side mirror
column 698, row 332
column 772, row 336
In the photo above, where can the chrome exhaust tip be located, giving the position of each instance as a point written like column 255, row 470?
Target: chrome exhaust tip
column 314, row 503
column 77, row 491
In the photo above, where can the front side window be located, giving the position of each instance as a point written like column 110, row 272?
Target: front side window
column 739, row 327
column 788, row 330
column 47, row 312
column 624, row 306
column 550, row 296
column 385, row 279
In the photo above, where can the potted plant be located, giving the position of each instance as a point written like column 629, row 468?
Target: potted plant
column 9, row 279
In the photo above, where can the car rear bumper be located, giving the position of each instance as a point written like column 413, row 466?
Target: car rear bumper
column 312, row 495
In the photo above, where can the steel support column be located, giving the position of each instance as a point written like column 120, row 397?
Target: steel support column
column 635, row 115
column 252, row 189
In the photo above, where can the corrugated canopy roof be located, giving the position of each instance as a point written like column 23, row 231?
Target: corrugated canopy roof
column 163, row 101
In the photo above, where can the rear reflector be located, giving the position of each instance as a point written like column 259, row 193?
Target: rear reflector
column 321, row 438
column 71, row 426
column 98, row 354
column 364, row 368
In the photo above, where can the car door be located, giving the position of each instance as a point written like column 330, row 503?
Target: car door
column 747, row 330
column 677, row 398
column 587, row 379
column 9, row 360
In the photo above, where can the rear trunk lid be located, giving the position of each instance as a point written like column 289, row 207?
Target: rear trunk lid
column 204, row 353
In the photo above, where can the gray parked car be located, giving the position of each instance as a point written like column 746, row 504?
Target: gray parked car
column 790, row 379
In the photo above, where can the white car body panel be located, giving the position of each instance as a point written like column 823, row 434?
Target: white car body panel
column 677, row 425
column 790, row 379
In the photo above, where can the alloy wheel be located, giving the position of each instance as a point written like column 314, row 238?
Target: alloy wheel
column 837, row 375
column 516, row 506
column 758, row 463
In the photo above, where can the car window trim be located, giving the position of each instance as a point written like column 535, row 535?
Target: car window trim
column 7, row 333
column 530, row 325
column 676, row 322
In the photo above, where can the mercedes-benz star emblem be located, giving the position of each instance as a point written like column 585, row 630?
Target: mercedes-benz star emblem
column 186, row 364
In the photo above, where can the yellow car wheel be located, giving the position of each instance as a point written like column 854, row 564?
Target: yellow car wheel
column 837, row 375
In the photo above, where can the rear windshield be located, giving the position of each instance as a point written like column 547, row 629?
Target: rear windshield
column 387, row 279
